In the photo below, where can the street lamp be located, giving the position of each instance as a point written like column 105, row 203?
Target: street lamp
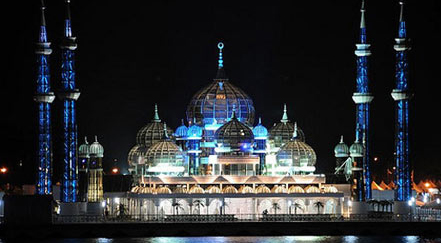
column 3, row 170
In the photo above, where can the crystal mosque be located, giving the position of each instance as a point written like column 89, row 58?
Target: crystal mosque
column 221, row 160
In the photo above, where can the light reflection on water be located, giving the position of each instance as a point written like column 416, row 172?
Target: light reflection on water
column 252, row 239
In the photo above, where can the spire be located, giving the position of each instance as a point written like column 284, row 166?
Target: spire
column 295, row 133
column 85, row 140
column 156, row 116
column 341, row 139
column 96, row 139
column 43, row 33
column 401, row 11
column 260, row 121
column 363, row 23
column 220, row 69
column 67, row 21
column 165, row 131
column 402, row 25
column 285, row 115
column 233, row 116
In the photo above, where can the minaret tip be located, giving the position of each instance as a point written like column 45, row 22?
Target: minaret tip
column 362, row 10
column 42, row 8
column 156, row 116
column 341, row 139
column 220, row 68
column 285, row 114
column 401, row 11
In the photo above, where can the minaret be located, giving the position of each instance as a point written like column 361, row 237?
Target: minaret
column 401, row 96
column 44, row 97
column 95, row 172
column 69, row 94
column 83, row 167
column 362, row 98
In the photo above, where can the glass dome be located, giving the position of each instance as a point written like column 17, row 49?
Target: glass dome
column 341, row 150
column 214, row 103
column 356, row 149
column 194, row 131
column 181, row 131
column 136, row 155
column 83, row 150
column 282, row 132
column 260, row 131
column 235, row 135
column 165, row 158
column 152, row 132
column 96, row 149
column 296, row 155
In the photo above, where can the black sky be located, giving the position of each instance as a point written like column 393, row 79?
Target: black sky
column 133, row 54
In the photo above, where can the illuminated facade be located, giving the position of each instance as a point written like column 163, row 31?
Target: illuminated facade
column 44, row 97
column 220, row 139
column 401, row 96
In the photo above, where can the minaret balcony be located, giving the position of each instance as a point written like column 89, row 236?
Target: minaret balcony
column 362, row 50
column 43, row 48
column 361, row 98
column 69, row 95
column 44, row 98
column 398, row 95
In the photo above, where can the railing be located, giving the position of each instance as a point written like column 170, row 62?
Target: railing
column 211, row 218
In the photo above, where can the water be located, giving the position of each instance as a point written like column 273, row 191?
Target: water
column 246, row 239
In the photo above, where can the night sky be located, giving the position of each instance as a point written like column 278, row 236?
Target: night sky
column 133, row 54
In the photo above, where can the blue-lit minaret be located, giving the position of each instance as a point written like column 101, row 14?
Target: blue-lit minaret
column 44, row 97
column 362, row 98
column 69, row 94
column 260, row 137
column 401, row 96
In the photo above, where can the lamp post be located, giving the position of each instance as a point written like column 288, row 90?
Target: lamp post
column 410, row 203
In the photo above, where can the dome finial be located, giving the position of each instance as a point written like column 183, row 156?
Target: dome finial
column 233, row 115
column 165, row 131
column 260, row 120
column 96, row 138
column 295, row 135
column 220, row 45
column 341, row 139
column 401, row 11
column 85, row 140
column 182, row 122
column 156, row 116
column 285, row 115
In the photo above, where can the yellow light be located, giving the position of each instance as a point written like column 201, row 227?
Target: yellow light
column 427, row 184
column 115, row 170
column 3, row 170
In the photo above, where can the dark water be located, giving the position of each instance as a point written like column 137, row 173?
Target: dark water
column 268, row 239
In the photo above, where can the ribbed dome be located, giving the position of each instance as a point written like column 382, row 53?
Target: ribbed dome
column 260, row 131
column 341, row 150
column 181, row 131
column 152, row 132
column 194, row 131
column 282, row 132
column 235, row 134
column 165, row 158
column 83, row 150
column 262, row 189
column 296, row 153
column 196, row 189
column 214, row 103
column 295, row 189
column 96, row 149
column 137, row 155
column 229, row 189
column 246, row 189
column 356, row 149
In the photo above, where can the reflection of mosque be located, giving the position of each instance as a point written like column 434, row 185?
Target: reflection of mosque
column 221, row 164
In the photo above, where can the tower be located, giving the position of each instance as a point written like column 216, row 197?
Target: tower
column 95, row 172
column 341, row 152
column 69, row 94
column 83, row 166
column 44, row 97
column 401, row 96
column 362, row 98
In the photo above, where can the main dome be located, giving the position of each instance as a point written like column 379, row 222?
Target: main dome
column 214, row 103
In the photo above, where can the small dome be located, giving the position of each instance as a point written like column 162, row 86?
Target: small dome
column 341, row 150
column 96, row 149
column 356, row 149
column 152, row 132
column 136, row 155
column 181, row 131
column 296, row 153
column 194, row 131
column 214, row 103
column 262, row 189
column 163, row 190
column 180, row 189
column 259, row 131
column 229, row 189
column 235, row 135
column 295, row 189
column 331, row 189
column 246, row 189
column 165, row 158
column 282, row 132
column 279, row 189
column 213, row 189
column 84, row 149
column 312, row 189
column 196, row 189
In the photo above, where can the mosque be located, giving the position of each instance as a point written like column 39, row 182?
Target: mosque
column 219, row 161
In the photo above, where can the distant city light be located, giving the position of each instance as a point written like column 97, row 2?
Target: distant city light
column 3, row 170
column 375, row 159
column 115, row 170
